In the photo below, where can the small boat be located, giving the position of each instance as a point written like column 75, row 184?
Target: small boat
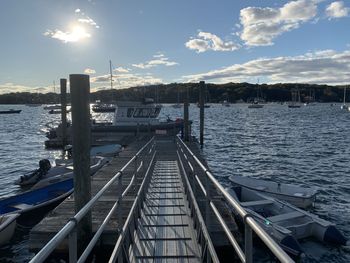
column 7, row 227
column 11, row 111
column 344, row 106
column 285, row 223
column 52, row 107
column 226, row 103
column 296, row 102
column 63, row 170
column 255, row 105
column 57, row 111
column 299, row 196
column 109, row 150
column 33, row 204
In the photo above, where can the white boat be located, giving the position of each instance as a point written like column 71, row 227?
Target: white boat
column 296, row 102
column 62, row 171
column 226, row 103
column 284, row 222
column 52, row 107
column 344, row 106
column 255, row 105
column 109, row 150
column 299, row 196
column 7, row 227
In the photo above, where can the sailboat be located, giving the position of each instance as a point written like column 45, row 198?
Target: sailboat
column 178, row 104
column 295, row 99
column 344, row 106
column 256, row 103
column 103, row 107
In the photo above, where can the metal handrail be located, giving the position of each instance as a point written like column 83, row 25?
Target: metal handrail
column 72, row 223
column 248, row 220
column 199, row 217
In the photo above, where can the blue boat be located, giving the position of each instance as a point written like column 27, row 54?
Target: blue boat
column 34, row 204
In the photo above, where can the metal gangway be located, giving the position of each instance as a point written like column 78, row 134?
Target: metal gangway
column 165, row 222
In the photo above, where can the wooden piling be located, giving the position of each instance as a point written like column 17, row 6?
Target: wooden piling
column 201, row 112
column 63, row 84
column 186, row 117
column 80, row 91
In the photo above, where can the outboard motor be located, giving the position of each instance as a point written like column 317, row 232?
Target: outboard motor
column 44, row 166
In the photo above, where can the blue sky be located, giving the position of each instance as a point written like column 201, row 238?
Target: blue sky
column 159, row 41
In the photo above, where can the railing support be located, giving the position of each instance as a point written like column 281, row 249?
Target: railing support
column 72, row 240
column 248, row 243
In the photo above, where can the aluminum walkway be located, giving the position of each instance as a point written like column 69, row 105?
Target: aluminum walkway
column 165, row 230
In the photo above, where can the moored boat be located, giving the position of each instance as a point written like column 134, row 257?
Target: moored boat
column 286, row 223
column 299, row 196
column 7, row 227
column 33, row 204
column 11, row 111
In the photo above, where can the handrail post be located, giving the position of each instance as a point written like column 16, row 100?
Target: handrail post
column 248, row 243
column 207, row 203
column 72, row 240
column 120, row 200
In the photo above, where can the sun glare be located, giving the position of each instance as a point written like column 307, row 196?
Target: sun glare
column 78, row 33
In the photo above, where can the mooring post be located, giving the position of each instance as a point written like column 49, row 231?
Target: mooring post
column 80, row 91
column 63, row 84
column 201, row 111
column 186, row 117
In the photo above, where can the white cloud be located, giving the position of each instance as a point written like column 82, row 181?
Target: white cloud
column 122, row 70
column 76, row 32
column 159, row 60
column 337, row 9
column 12, row 87
column 126, row 80
column 262, row 25
column 75, row 35
column 321, row 67
column 208, row 41
column 89, row 71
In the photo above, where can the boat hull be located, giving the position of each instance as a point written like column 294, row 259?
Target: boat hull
column 7, row 227
column 301, row 197
column 10, row 111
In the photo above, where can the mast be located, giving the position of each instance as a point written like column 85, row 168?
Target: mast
column 344, row 95
column 110, row 70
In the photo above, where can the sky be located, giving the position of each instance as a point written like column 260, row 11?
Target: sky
column 163, row 41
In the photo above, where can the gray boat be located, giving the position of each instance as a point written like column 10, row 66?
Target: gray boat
column 284, row 222
column 299, row 196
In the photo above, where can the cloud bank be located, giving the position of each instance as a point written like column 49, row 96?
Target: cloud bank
column 158, row 60
column 337, row 10
column 319, row 67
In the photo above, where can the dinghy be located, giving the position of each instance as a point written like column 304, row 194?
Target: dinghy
column 284, row 222
column 33, row 204
column 95, row 164
column 7, row 227
column 62, row 171
column 299, row 196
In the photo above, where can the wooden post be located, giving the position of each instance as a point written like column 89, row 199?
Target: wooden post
column 186, row 117
column 80, row 91
column 201, row 111
column 63, row 84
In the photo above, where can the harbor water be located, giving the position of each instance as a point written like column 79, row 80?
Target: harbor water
column 307, row 146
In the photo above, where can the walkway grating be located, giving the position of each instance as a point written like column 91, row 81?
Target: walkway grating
column 165, row 230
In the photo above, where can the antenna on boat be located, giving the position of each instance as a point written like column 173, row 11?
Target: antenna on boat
column 110, row 70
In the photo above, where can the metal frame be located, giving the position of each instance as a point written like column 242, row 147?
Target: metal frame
column 70, row 228
column 250, row 224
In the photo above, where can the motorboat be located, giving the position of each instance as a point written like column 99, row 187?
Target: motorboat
column 11, row 111
column 63, row 170
column 33, row 204
column 285, row 223
column 7, row 227
column 299, row 196
column 131, row 118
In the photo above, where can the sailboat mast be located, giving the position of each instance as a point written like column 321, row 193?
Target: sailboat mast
column 110, row 70
column 344, row 94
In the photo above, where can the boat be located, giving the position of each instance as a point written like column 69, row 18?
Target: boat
column 295, row 100
column 7, row 227
column 108, row 150
column 285, row 223
column 103, row 107
column 299, row 196
column 63, row 170
column 52, row 107
column 131, row 118
column 344, row 106
column 226, row 103
column 11, row 111
column 34, row 204
column 255, row 105
column 177, row 105
column 57, row 111
column 258, row 100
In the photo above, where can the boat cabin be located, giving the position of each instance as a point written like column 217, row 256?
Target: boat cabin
column 131, row 113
